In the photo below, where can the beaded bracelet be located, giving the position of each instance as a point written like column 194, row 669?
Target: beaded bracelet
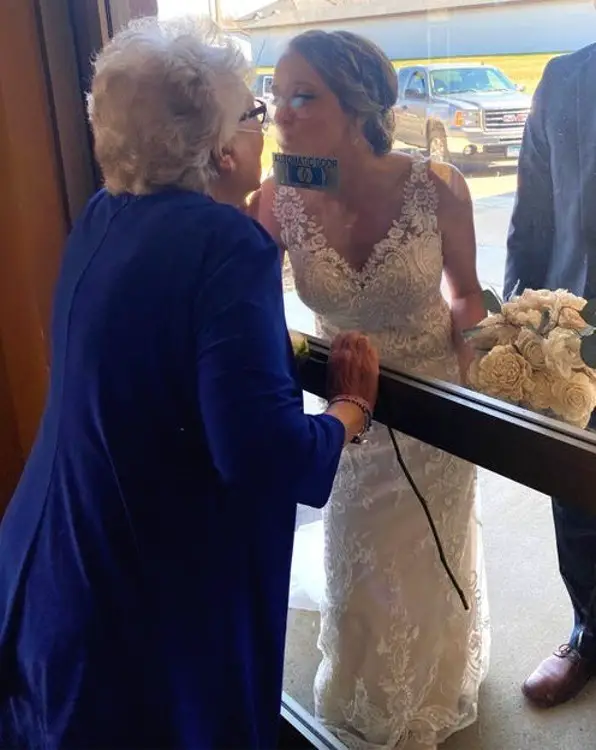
column 363, row 406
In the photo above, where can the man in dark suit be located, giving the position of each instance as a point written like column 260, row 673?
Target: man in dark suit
column 552, row 245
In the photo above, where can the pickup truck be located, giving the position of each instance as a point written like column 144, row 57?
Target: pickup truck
column 463, row 113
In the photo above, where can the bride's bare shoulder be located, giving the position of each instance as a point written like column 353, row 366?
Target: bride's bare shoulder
column 450, row 182
column 399, row 162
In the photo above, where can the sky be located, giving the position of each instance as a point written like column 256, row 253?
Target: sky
column 233, row 8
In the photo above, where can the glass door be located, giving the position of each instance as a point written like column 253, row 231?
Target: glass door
column 483, row 62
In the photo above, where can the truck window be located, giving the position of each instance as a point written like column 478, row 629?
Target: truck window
column 402, row 80
column 417, row 84
column 458, row 80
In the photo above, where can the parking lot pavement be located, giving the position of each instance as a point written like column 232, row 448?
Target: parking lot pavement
column 493, row 196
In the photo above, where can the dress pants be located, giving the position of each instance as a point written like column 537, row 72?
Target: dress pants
column 575, row 532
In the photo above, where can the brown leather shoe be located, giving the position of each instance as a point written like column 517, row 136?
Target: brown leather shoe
column 559, row 678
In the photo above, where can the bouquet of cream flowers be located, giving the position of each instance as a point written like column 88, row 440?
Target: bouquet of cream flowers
column 538, row 351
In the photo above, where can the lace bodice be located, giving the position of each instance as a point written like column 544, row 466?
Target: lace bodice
column 396, row 296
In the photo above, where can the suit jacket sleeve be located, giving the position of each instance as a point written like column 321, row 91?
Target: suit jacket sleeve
column 530, row 240
column 250, row 401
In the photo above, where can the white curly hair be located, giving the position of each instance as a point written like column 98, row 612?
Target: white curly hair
column 166, row 97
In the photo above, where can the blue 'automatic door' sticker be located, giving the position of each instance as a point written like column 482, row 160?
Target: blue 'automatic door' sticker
column 309, row 172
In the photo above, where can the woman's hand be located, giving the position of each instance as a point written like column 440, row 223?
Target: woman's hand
column 354, row 368
column 465, row 356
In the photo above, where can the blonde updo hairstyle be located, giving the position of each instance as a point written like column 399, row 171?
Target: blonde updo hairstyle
column 360, row 75
column 166, row 98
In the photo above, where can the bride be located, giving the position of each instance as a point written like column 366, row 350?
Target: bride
column 402, row 660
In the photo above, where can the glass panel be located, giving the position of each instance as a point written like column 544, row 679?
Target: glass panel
column 481, row 78
column 378, row 239
column 123, row 11
column 475, row 120
column 515, row 601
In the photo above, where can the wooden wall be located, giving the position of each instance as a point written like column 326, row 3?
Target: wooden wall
column 32, row 233
column 46, row 175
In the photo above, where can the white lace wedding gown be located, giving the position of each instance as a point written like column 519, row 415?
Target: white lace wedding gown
column 402, row 660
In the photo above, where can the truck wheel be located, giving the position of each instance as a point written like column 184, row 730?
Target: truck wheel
column 437, row 145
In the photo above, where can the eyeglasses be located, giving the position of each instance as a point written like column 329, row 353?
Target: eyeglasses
column 258, row 113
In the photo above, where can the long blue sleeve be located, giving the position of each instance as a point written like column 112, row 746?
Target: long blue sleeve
column 248, row 394
column 531, row 234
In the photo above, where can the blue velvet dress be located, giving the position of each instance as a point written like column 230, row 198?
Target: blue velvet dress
column 145, row 557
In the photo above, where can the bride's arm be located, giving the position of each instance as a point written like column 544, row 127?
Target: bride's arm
column 456, row 220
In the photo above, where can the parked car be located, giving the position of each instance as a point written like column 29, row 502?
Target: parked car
column 261, row 88
column 461, row 112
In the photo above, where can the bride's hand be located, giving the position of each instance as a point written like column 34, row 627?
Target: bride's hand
column 354, row 368
column 465, row 356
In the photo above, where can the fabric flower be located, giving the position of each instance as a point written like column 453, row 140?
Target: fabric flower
column 570, row 318
column 545, row 299
column 502, row 373
column 562, row 352
column 566, row 299
column 574, row 399
column 531, row 346
column 518, row 314
column 493, row 331
column 540, row 396
column 537, row 299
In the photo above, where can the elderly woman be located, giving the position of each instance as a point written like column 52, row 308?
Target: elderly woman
column 145, row 557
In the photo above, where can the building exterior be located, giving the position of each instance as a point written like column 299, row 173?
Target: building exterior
column 419, row 29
